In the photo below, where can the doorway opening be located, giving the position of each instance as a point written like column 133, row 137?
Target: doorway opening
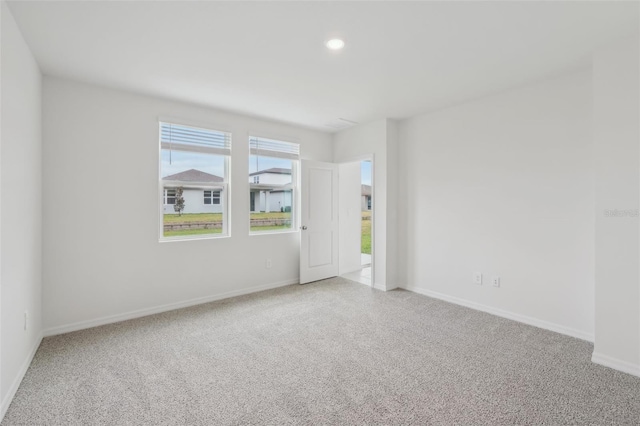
column 356, row 220
column 365, row 205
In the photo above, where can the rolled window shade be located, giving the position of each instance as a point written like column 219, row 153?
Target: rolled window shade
column 272, row 148
column 183, row 138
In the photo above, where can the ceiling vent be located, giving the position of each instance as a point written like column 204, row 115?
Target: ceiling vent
column 341, row 123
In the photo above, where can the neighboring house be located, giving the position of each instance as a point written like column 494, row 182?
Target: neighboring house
column 270, row 190
column 365, row 199
column 196, row 200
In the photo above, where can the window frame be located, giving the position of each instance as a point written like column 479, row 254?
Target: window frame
column 166, row 196
column 294, row 188
column 212, row 197
column 223, row 188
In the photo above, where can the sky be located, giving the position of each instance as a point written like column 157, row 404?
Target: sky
column 180, row 161
column 365, row 172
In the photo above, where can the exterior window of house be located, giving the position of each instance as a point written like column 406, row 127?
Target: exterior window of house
column 273, row 167
column 194, row 182
column 169, row 196
column 211, row 197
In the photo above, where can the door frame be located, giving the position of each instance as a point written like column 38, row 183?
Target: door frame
column 360, row 159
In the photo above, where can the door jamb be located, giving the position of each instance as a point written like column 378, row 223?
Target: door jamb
column 360, row 159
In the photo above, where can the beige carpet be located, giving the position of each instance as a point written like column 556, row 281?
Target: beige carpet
column 332, row 352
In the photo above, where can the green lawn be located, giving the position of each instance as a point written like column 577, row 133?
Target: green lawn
column 267, row 216
column 184, row 232
column 272, row 215
column 217, row 217
column 366, row 234
column 270, row 228
column 193, row 217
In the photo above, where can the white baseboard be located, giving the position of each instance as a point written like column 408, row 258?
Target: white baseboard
column 616, row 364
column 505, row 314
column 390, row 287
column 81, row 325
column 6, row 401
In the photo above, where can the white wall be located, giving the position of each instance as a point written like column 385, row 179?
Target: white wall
column 617, row 171
column 102, row 144
column 21, row 208
column 504, row 186
column 272, row 178
column 394, row 203
column 377, row 139
column 350, row 218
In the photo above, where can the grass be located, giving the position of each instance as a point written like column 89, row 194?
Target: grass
column 193, row 217
column 365, row 243
column 184, row 232
column 270, row 228
column 216, row 217
column 272, row 215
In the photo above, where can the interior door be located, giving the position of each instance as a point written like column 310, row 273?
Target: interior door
column 319, row 221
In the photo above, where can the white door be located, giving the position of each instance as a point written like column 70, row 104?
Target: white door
column 319, row 221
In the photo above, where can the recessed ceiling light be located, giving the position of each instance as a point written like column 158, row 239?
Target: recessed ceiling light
column 335, row 44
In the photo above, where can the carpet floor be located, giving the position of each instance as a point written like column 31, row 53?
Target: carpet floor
column 331, row 352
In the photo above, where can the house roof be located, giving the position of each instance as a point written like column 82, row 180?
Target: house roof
column 274, row 170
column 194, row 175
column 366, row 189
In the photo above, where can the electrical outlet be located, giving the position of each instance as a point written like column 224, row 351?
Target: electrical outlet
column 268, row 264
column 496, row 281
column 26, row 320
column 477, row 278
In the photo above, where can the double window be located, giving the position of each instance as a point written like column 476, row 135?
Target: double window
column 211, row 197
column 273, row 167
column 194, row 181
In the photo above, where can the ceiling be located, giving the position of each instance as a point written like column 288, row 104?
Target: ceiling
column 268, row 59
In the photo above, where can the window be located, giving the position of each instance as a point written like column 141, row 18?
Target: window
column 272, row 184
column 211, row 197
column 194, row 177
column 169, row 196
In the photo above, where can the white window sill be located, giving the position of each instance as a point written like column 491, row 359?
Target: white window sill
column 254, row 233
column 192, row 238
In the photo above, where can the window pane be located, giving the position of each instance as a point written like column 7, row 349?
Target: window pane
column 169, row 196
column 270, row 193
column 194, row 212
column 175, row 161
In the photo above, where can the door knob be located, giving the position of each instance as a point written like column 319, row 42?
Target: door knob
column 303, row 227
